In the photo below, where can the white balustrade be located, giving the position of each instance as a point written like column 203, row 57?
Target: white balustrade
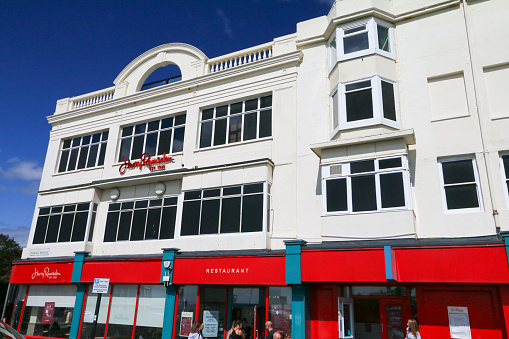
column 93, row 98
column 240, row 58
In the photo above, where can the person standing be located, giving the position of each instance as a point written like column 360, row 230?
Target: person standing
column 195, row 331
column 413, row 330
column 270, row 329
column 236, row 331
column 277, row 335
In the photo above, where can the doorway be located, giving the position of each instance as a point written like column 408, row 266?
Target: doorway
column 246, row 307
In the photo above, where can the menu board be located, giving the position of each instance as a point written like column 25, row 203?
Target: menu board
column 210, row 323
column 186, row 321
column 49, row 309
column 458, row 322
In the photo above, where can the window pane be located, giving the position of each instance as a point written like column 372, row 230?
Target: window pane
column 82, row 161
column 253, row 188
column 363, row 193
column 85, row 140
column 67, row 143
column 53, row 227
column 138, row 146
column 149, row 318
column 80, row 226
column 105, row 135
column 125, row 150
column 92, row 157
column 362, row 166
column 280, row 307
column 505, row 160
column 383, row 38
column 355, row 43
column 153, row 221
column 141, row 204
column 265, row 123
column 461, row 196
column 207, row 114
column 206, row 134
column 100, row 162
column 389, row 105
column 110, row 232
column 164, row 142
column 190, row 217
column 250, row 122
column 66, row 228
column 231, row 190
column 355, row 29
column 63, row 161
column 359, row 105
column 458, row 171
column 335, row 108
column 210, row 216
column 72, row 159
column 235, row 132
column 215, row 192
column 221, row 111
column 252, row 213
column 153, row 126
column 138, row 226
column 121, row 317
column 126, row 131
column 266, row 101
column 251, row 105
column 220, row 132
column 236, row 108
column 389, row 163
column 336, row 195
column 358, row 85
column 96, row 137
column 392, row 190
column 178, row 139
column 140, row 128
column 168, row 222
column 124, row 226
column 88, row 315
column 151, row 143
column 40, row 229
column 76, row 141
column 170, row 201
column 230, row 215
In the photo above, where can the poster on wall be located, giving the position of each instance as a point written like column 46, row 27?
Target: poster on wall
column 49, row 309
column 186, row 320
column 210, row 323
column 458, row 322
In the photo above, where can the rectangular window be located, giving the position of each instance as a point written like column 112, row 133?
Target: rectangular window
column 361, row 38
column 64, row 223
column 239, row 121
column 158, row 137
column 460, row 184
column 364, row 102
column 83, row 152
column 148, row 219
column 366, row 185
column 231, row 209
column 505, row 173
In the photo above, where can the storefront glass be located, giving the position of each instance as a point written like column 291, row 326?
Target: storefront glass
column 186, row 310
column 280, row 308
column 379, row 290
column 48, row 311
column 18, row 305
column 149, row 318
column 213, row 311
column 123, row 304
column 88, row 315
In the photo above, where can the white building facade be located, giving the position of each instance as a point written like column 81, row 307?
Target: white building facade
column 336, row 181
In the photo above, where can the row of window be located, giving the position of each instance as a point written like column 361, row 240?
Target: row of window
column 226, row 124
column 384, row 184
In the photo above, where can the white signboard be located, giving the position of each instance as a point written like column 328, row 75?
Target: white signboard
column 210, row 323
column 100, row 285
column 458, row 322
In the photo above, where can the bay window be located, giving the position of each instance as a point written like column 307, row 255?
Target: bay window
column 366, row 185
column 364, row 102
column 361, row 38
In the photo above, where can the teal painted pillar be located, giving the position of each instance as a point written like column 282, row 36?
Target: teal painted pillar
column 229, row 312
column 77, row 268
column 505, row 235
column 294, row 279
column 171, row 291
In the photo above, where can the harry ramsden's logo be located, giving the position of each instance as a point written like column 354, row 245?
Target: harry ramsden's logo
column 45, row 274
column 227, row 270
column 146, row 160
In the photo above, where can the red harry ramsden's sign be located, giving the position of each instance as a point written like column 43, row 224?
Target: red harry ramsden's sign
column 146, row 159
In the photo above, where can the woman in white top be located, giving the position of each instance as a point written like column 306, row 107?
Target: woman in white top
column 412, row 332
column 196, row 328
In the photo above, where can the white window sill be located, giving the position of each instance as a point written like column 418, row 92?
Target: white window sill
column 79, row 170
column 341, row 213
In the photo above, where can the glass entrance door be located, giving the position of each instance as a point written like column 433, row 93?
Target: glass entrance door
column 393, row 317
column 246, row 308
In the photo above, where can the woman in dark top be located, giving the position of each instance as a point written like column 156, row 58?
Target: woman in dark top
column 236, row 331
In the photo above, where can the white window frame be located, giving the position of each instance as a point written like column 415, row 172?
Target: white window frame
column 371, row 29
column 338, row 106
column 504, row 179
column 327, row 174
column 477, row 183
column 341, row 320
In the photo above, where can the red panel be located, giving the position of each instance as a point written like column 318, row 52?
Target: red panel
column 344, row 265
column 324, row 311
column 482, row 264
column 504, row 297
column 41, row 272
column 483, row 312
column 146, row 271
column 261, row 270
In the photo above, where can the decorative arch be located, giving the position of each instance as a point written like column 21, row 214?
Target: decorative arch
column 189, row 59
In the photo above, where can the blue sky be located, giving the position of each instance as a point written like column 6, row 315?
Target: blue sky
column 51, row 50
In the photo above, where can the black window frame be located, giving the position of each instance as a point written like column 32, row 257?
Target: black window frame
column 75, row 148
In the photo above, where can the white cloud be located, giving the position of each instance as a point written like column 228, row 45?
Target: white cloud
column 226, row 23
column 22, row 169
column 20, row 234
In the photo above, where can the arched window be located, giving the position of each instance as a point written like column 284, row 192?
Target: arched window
column 162, row 76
